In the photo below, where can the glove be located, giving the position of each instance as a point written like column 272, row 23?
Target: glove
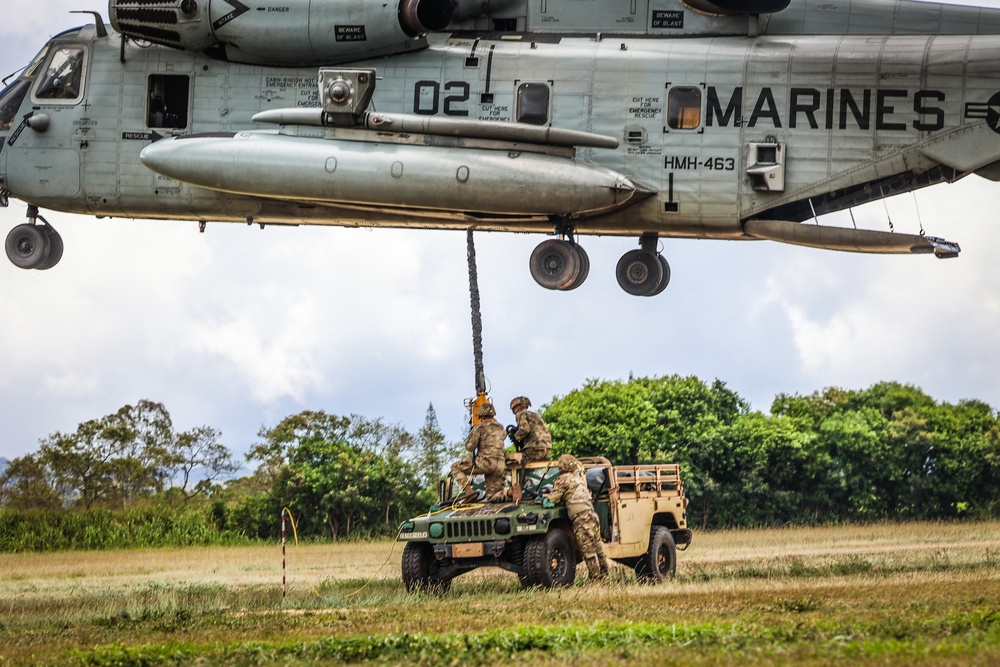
column 547, row 504
column 511, row 430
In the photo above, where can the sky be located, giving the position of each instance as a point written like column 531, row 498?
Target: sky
column 240, row 327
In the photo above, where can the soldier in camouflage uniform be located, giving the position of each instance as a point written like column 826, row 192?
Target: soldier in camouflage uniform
column 571, row 487
column 485, row 442
column 532, row 433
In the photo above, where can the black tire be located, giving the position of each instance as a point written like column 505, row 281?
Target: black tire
column 55, row 249
column 664, row 279
column 659, row 563
column 549, row 560
column 420, row 569
column 27, row 246
column 639, row 273
column 584, row 268
column 554, row 264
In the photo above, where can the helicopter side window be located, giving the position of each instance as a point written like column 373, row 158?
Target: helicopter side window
column 533, row 103
column 10, row 102
column 167, row 101
column 63, row 78
column 684, row 108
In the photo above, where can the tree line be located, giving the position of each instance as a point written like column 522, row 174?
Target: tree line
column 129, row 477
column 116, row 461
column 889, row 452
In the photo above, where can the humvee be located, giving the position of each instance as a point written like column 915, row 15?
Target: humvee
column 642, row 510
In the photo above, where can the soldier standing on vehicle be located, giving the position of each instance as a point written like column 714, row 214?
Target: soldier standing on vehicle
column 571, row 487
column 485, row 442
column 532, row 435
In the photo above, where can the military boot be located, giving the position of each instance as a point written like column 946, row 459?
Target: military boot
column 594, row 569
column 499, row 497
column 603, row 563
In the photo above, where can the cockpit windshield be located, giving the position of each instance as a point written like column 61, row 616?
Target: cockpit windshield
column 12, row 96
column 10, row 102
column 63, row 76
column 32, row 68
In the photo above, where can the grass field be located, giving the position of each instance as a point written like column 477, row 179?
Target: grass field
column 913, row 594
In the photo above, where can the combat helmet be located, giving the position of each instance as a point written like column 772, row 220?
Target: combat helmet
column 568, row 463
column 487, row 410
column 520, row 400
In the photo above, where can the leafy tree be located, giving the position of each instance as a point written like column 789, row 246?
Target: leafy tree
column 613, row 419
column 272, row 453
column 25, row 484
column 340, row 475
column 80, row 463
column 140, row 437
column 199, row 450
column 117, row 459
column 899, row 454
column 755, row 470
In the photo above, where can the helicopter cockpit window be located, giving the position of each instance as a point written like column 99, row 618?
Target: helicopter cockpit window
column 62, row 79
column 167, row 101
column 533, row 103
column 10, row 102
column 684, row 108
column 32, row 69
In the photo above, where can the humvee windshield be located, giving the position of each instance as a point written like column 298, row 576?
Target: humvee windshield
column 536, row 482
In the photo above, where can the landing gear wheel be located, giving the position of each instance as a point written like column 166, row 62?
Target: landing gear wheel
column 659, row 563
column 420, row 569
column 639, row 273
column 664, row 279
column 584, row 267
column 27, row 246
column 549, row 560
column 55, row 248
column 554, row 264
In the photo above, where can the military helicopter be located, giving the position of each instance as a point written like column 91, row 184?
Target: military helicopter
column 656, row 119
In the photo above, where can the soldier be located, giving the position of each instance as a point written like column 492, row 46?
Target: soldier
column 485, row 442
column 531, row 434
column 571, row 487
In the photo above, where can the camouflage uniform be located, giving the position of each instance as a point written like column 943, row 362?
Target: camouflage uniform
column 534, row 437
column 571, row 487
column 486, row 440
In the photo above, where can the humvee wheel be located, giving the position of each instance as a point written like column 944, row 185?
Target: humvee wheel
column 659, row 563
column 420, row 568
column 549, row 560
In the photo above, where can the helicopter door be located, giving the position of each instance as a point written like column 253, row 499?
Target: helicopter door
column 44, row 163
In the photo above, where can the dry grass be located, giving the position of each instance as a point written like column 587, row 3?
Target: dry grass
column 922, row 593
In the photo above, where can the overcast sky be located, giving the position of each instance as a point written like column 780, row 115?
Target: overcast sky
column 239, row 327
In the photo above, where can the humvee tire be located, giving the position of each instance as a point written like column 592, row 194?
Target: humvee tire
column 549, row 560
column 420, row 568
column 659, row 563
